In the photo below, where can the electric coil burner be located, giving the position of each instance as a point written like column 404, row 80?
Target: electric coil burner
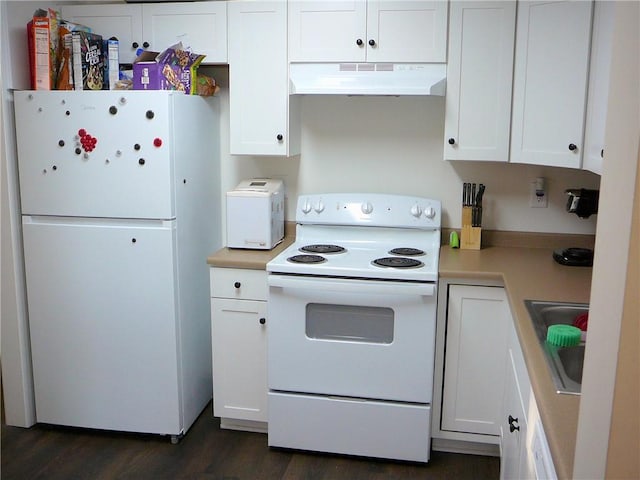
column 306, row 259
column 398, row 262
column 407, row 252
column 323, row 248
column 351, row 342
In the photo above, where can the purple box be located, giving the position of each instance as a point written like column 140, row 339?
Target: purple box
column 148, row 76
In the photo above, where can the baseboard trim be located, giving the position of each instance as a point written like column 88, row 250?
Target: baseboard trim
column 468, row 448
column 243, row 425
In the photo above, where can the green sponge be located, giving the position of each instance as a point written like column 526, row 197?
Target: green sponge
column 563, row 335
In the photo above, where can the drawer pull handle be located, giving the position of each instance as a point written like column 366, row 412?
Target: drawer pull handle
column 262, row 321
column 237, row 284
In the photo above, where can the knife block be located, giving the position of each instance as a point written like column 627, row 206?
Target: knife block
column 470, row 237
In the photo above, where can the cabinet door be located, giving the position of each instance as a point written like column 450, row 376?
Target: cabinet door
column 599, row 70
column 202, row 26
column 479, row 80
column 121, row 21
column 327, row 31
column 406, row 31
column 550, row 82
column 512, row 440
column 239, row 340
column 261, row 120
column 477, row 326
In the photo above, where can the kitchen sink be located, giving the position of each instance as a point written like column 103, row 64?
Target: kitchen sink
column 565, row 363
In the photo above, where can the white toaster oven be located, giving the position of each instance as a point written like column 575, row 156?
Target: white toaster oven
column 255, row 214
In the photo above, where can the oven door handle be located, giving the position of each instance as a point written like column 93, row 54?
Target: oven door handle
column 353, row 286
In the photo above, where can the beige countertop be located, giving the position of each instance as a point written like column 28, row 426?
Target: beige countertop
column 251, row 259
column 531, row 273
column 527, row 273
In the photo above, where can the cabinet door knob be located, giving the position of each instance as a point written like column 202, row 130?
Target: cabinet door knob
column 145, row 44
column 279, row 137
column 602, row 153
column 372, row 42
column 262, row 321
column 134, row 44
column 452, row 141
column 237, row 284
column 359, row 42
column 572, row 146
column 513, row 427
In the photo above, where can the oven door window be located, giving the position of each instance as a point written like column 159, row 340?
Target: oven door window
column 349, row 323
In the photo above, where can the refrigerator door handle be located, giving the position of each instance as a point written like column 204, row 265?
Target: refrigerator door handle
column 106, row 222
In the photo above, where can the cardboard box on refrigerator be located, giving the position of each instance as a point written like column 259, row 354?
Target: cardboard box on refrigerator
column 172, row 69
column 40, row 60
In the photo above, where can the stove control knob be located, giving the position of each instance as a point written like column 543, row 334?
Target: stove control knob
column 366, row 208
column 416, row 211
column 319, row 206
column 430, row 212
column 306, row 207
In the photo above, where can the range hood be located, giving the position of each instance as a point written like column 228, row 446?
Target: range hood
column 367, row 79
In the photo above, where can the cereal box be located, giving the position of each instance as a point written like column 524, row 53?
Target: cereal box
column 88, row 61
column 172, row 69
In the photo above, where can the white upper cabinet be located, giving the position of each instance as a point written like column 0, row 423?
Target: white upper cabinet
column 550, row 82
column 479, row 80
column 410, row 31
column 121, row 21
column 202, row 26
column 264, row 119
column 601, row 45
column 199, row 25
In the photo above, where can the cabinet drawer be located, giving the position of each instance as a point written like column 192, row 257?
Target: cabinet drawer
column 238, row 283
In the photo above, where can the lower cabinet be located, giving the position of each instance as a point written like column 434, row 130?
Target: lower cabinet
column 477, row 322
column 470, row 367
column 524, row 449
column 239, row 343
column 483, row 402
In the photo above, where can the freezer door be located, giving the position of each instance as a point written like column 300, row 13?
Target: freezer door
column 102, row 313
column 96, row 154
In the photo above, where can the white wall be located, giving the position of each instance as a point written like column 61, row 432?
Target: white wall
column 612, row 248
column 395, row 145
column 16, row 354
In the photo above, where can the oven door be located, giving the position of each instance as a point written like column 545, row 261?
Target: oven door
column 351, row 337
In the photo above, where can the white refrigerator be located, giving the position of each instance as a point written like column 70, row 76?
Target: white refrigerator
column 120, row 208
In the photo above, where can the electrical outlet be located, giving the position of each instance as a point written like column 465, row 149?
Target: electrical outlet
column 538, row 194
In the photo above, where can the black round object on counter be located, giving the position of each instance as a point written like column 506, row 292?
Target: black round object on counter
column 574, row 256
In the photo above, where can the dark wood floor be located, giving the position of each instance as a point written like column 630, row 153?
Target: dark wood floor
column 205, row 453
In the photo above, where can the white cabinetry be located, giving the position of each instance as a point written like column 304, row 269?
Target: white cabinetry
column 239, row 341
column 156, row 26
column 550, row 82
column 479, row 80
column 264, row 119
column 474, row 367
column 524, row 449
column 601, row 45
column 374, row 31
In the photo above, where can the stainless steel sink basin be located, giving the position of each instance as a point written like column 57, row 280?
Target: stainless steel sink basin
column 565, row 363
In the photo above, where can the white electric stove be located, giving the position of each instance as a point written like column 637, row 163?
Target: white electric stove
column 352, row 315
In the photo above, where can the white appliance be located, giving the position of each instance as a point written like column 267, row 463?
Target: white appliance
column 352, row 316
column 120, row 208
column 255, row 214
column 367, row 79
